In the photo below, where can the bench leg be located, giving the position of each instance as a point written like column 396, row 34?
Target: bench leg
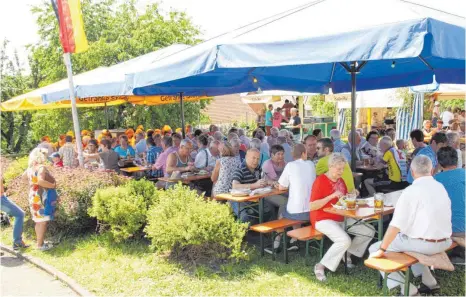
column 385, row 286
column 285, row 247
column 307, row 259
column 273, row 241
column 407, row 278
column 321, row 249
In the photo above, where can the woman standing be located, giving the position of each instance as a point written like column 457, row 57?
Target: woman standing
column 326, row 191
column 222, row 176
column 40, row 181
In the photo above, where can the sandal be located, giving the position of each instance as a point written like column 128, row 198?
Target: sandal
column 45, row 247
column 320, row 273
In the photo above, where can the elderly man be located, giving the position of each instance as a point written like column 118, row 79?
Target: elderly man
column 453, row 140
column 397, row 169
column 236, row 145
column 335, row 136
column 218, row 136
column 346, row 150
column 453, row 179
column 310, row 142
column 273, row 138
column 207, row 154
column 243, row 138
column 324, row 149
column 141, row 146
column 417, row 139
column 248, row 176
column 288, row 154
column 265, row 149
column 421, row 223
column 438, row 141
column 180, row 160
column 256, row 144
column 390, row 132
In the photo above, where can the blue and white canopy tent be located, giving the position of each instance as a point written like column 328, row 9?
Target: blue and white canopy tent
column 384, row 44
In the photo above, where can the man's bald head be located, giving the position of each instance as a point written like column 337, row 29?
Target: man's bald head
column 298, row 151
column 253, row 158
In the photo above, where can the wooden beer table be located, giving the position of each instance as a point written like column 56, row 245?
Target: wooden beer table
column 186, row 180
column 135, row 169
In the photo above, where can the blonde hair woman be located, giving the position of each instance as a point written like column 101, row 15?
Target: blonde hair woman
column 40, row 180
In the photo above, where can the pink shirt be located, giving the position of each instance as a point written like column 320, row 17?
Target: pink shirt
column 269, row 169
column 161, row 162
column 277, row 119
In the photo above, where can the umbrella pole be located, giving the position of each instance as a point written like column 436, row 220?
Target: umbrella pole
column 353, row 116
column 106, row 114
column 182, row 115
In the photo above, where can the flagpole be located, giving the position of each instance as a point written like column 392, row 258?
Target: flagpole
column 74, row 110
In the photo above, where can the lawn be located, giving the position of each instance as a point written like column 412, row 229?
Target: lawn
column 106, row 268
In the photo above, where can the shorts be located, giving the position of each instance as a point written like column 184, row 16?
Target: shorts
column 302, row 216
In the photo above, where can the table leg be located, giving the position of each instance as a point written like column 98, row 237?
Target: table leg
column 380, row 238
column 261, row 220
column 346, row 253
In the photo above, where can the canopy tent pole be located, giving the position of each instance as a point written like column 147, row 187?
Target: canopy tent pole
column 74, row 110
column 182, row 115
column 106, row 114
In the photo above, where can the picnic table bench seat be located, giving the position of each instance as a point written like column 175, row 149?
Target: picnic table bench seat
column 275, row 228
column 309, row 234
column 396, row 262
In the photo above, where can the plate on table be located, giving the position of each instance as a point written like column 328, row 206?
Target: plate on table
column 202, row 172
column 261, row 191
column 240, row 192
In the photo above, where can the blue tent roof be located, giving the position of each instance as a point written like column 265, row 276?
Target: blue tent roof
column 403, row 43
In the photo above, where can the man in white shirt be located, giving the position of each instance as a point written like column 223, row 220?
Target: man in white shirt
column 421, row 223
column 298, row 176
column 206, row 157
column 447, row 116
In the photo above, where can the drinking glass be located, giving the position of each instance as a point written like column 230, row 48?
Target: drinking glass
column 378, row 201
column 351, row 201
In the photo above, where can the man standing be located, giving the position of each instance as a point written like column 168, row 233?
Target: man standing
column 268, row 119
column 324, row 150
column 413, row 228
column 335, row 136
column 447, row 116
column 397, row 169
column 295, row 123
column 438, row 141
column 310, row 142
column 287, row 107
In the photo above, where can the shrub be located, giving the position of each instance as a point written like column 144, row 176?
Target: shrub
column 122, row 210
column 144, row 188
column 75, row 188
column 14, row 168
column 183, row 221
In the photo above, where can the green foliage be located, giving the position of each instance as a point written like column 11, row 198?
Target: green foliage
column 120, row 208
column 75, row 189
column 321, row 108
column 143, row 188
column 15, row 169
column 183, row 221
column 453, row 103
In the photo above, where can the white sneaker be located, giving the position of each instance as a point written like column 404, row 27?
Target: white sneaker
column 45, row 247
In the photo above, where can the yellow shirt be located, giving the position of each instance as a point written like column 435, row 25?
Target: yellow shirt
column 394, row 173
column 322, row 167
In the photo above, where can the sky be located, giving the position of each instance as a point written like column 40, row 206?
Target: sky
column 17, row 23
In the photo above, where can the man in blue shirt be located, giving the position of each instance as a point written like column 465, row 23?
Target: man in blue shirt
column 453, row 179
column 438, row 141
column 124, row 148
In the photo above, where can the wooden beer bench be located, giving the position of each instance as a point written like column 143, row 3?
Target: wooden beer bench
column 395, row 262
column 309, row 234
column 276, row 227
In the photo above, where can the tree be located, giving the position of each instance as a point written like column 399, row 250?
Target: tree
column 116, row 32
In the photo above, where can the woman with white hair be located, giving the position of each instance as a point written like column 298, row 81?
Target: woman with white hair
column 326, row 191
column 453, row 140
column 40, row 181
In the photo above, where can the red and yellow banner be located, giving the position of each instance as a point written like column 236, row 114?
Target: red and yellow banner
column 70, row 20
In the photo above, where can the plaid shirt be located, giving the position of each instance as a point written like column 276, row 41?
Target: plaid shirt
column 152, row 154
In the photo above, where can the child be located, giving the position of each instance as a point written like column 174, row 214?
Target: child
column 56, row 160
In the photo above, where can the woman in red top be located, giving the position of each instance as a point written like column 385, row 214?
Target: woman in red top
column 326, row 190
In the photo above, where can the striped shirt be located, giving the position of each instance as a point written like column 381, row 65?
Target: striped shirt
column 244, row 176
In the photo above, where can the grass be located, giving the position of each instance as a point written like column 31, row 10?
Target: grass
column 106, row 268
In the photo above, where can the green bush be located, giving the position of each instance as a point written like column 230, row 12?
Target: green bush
column 75, row 189
column 14, row 169
column 123, row 211
column 143, row 188
column 183, row 221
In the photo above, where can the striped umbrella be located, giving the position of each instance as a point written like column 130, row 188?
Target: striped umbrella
column 410, row 119
column 418, row 111
column 341, row 120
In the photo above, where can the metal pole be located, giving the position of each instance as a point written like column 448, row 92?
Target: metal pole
column 353, row 116
column 182, row 115
column 106, row 114
column 74, row 110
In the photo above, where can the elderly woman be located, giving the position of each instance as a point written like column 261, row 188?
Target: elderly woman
column 273, row 167
column 256, row 143
column 40, row 181
column 236, row 144
column 326, row 191
column 453, row 140
column 264, row 146
column 222, row 176
column 427, row 128
column 369, row 149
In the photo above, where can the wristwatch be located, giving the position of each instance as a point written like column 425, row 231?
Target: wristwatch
column 382, row 249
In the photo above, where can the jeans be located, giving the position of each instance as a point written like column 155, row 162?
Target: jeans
column 13, row 210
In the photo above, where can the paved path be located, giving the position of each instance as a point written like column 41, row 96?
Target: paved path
column 19, row 278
